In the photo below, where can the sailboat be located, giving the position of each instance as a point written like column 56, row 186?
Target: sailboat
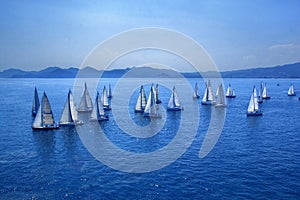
column 291, row 91
column 104, row 99
column 208, row 98
column 35, row 103
column 259, row 99
column 141, row 101
column 265, row 94
column 109, row 94
column 230, row 92
column 85, row 104
column 253, row 109
column 69, row 115
column 151, row 109
column 44, row 118
column 196, row 92
column 174, row 102
column 220, row 97
column 98, row 113
column 157, row 100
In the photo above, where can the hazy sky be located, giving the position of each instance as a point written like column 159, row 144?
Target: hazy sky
column 236, row 33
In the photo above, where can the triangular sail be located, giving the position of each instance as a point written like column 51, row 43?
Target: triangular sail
column 98, row 110
column 205, row 95
column 253, row 104
column 291, row 90
column 260, row 91
column 47, row 115
column 38, row 118
column 210, row 96
column 141, row 101
column 109, row 94
column 196, row 92
column 265, row 93
column 86, row 101
column 36, row 102
column 66, row 116
column 157, row 100
column 177, row 102
column 150, row 101
column 229, row 91
column 73, row 106
column 69, row 114
column 174, row 101
column 220, row 97
column 151, row 108
column 104, row 97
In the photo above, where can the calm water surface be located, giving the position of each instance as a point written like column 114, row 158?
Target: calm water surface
column 255, row 157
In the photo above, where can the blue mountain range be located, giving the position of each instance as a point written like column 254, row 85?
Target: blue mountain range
column 283, row 71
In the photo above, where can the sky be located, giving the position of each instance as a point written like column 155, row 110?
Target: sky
column 237, row 34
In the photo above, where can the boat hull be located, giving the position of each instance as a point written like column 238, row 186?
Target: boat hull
column 174, row 109
column 138, row 111
column 106, row 107
column 101, row 118
column 268, row 97
column 291, row 95
column 220, row 105
column 46, row 127
column 230, row 96
column 85, row 111
column 207, row 103
column 77, row 123
column 257, row 113
column 152, row 116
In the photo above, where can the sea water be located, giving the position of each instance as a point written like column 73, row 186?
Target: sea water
column 254, row 157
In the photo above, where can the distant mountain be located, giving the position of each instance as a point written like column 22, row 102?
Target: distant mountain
column 284, row 71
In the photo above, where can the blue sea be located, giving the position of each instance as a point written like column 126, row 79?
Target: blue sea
column 253, row 158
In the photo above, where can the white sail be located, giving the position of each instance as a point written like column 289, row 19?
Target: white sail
column 36, row 102
column 220, row 97
column 151, row 109
column 38, row 119
column 98, row 110
column 204, row 99
column 177, row 101
column 66, row 116
column 229, row 91
column 196, row 92
column 109, row 94
column 157, row 100
column 264, row 93
column 260, row 91
column 47, row 111
column 253, row 104
column 291, row 91
column 141, row 101
column 74, row 112
column 143, row 96
column 150, row 102
column 208, row 97
column 85, row 104
column 69, row 114
column 104, row 99
column 44, row 118
column 174, row 101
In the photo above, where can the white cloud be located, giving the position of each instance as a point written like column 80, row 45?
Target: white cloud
column 283, row 46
